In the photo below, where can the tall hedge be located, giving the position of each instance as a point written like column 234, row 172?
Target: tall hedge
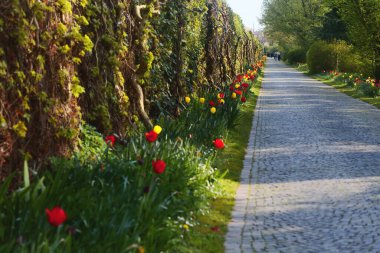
column 116, row 64
column 41, row 47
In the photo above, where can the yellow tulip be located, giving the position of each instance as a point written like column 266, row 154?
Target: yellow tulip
column 213, row 110
column 233, row 95
column 202, row 100
column 157, row 129
column 237, row 86
column 187, row 99
column 185, row 226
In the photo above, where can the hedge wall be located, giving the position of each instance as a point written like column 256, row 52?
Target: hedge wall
column 116, row 64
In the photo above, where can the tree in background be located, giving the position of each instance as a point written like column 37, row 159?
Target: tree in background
column 362, row 18
column 333, row 27
column 351, row 27
column 293, row 23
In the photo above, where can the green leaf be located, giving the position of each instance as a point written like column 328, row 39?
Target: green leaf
column 77, row 90
column 26, row 174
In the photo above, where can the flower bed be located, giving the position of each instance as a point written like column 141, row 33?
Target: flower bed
column 369, row 87
column 138, row 194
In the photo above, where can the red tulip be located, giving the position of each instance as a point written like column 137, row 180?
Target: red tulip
column 232, row 88
column 238, row 92
column 151, row 136
column 218, row 143
column 245, row 85
column 243, row 99
column 215, row 229
column 159, row 166
column 56, row 216
column 239, row 78
column 211, row 103
column 110, row 139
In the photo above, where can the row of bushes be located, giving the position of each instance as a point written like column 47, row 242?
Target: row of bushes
column 135, row 194
column 338, row 56
column 321, row 55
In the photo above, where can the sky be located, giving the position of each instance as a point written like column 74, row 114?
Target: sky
column 248, row 10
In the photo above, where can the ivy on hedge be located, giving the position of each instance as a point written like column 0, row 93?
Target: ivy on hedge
column 116, row 64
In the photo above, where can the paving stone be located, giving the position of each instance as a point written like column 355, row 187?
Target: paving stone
column 311, row 176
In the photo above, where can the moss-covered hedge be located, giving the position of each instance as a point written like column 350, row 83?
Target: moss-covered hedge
column 116, row 64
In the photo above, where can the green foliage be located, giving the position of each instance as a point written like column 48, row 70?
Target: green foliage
column 363, row 22
column 34, row 34
column 106, row 203
column 199, row 61
column 368, row 90
column 300, row 23
column 320, row 57
column 293, row 22
column 88, row 59
column 296, row 56
column 113, row 198
column 348, row 59
column 76, row 89
column 87, row 43
column 65, row 6
column 333, row 28
column 202, row 238
column 338, row 56
column 354, row 85
column 91, row 145
column 61, row 29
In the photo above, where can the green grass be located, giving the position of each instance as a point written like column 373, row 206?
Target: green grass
column 340, row 86
column 350, row 91
column 202, row 238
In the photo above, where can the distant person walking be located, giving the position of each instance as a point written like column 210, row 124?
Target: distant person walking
column 277, row 56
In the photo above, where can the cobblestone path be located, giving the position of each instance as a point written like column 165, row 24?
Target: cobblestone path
column 311, row 176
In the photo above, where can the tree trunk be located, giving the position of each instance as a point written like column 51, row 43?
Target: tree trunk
column 208, row 45
column 140, row 104
column 177, row 87
column 377, row 65
column 139, row 59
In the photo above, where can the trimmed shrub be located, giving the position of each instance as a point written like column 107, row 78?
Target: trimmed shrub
column 338, row 56
column 296, row 56
column 320, row 57
column 352, row 62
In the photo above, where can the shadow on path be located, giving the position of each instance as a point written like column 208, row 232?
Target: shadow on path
column 311, row 177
